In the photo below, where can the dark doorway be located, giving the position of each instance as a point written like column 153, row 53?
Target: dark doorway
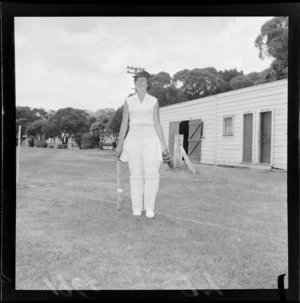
column 184, row 130
column 248, row 138
column 265, row 137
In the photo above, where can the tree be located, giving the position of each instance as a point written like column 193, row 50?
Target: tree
column 78, row 138
column 161, row 80
column 158, row 92
column 30, row 114
column 89, row 141
column 278, row 70
column 228, row 75
column 93, row 120
column 35, row 131
column 250, row 79
column 167, row 95
column 198, row 83
column 40, row 113
column 172, row 95
column 161, row 84
column 273, row 42
column 264, row 76
column 67, row 122
column 25, row 115
column 98, row 128
column 240, row 82
column 253, row 77
column 114, row 124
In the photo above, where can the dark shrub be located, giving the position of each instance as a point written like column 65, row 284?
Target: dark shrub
column 89, row 141
column 87, row 146
column 63, row 146
column 41, row 144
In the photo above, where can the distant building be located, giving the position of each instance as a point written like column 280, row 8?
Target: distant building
column 244, row 127
column 56, row 141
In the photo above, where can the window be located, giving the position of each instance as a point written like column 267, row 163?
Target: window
column 228, row 126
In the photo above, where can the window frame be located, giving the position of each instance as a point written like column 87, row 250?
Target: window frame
column 232, row 126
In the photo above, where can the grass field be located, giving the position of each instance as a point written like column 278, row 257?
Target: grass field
column 224, row 228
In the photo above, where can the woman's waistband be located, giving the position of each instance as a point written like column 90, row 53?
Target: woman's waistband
column 142, row 131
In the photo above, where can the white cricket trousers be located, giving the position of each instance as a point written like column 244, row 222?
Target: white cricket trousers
column 142, row 149
column 144, row 183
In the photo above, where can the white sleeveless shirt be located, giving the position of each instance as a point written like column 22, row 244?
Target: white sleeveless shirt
column 142, row 141
column 141, row 121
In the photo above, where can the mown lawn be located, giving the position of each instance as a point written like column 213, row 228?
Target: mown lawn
column 224, row 228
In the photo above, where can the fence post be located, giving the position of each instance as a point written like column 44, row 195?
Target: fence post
column 178, row 141
column 187, row 160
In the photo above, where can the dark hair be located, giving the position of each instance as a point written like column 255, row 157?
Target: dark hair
column 149, row 84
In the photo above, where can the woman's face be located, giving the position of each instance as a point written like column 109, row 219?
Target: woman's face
column 141, row 84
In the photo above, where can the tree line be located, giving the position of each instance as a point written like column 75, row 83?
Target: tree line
column 93, row 130
column 88, row 131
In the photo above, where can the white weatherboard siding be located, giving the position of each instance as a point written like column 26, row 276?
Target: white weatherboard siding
column 228, row 150
column 280, row 138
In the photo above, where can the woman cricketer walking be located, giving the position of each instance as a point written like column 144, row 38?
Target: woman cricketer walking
column 143, row 146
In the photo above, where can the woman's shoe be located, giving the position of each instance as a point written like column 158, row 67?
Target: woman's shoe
column 149, row 213
column 137, row 212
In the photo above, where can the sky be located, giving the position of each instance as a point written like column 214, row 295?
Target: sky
column 81, row 62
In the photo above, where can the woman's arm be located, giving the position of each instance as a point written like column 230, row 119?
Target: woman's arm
column 158, row 127
column 123, row 129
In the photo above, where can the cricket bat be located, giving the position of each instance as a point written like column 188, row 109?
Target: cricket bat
column 119, row 185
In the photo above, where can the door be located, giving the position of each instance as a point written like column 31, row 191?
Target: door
column 173, row 130
column 265, row 137
column 194, row 140
column 248, row 138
